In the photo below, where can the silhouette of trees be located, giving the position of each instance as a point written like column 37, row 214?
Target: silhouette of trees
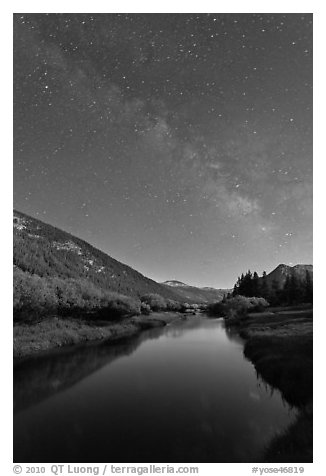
column 308, row 288
column 293, row 291
column 255, row 285
column 264, row 289
column 245, row 285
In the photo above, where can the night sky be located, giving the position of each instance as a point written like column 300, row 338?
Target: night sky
column 180, row 144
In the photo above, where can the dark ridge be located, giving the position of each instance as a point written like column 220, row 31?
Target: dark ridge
column 46, row 251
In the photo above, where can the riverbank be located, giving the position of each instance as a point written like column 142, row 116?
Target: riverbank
column 55, row 332
column 280, row 345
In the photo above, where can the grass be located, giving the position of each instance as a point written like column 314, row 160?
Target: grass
column 295, row 443
column 54, row 332
column 279, row 342
column 285, row 363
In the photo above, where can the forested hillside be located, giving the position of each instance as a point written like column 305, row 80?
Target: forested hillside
column 55, row 270
column 284, row 285
column 47, row 251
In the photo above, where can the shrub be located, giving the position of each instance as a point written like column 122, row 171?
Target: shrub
column 259, row 304
column 145, row 308
column 237, row 307
column 155, row 302
column 36, row 296
column 120, row 306
column 32, row 297
column 173, row 306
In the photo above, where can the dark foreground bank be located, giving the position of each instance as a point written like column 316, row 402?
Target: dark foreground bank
column 280, row 345
column 54, row 332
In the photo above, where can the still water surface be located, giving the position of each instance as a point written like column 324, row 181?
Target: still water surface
column 183, row 393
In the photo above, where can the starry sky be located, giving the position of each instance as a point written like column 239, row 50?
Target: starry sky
column 180, row 144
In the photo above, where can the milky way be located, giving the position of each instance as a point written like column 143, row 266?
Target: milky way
column 180, row 144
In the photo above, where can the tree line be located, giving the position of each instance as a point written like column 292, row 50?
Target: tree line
column 36, row 297
column 294, row 290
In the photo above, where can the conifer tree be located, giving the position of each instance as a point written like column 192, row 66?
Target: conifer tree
column 264, row 289
column 308, row 292
column 255, row 285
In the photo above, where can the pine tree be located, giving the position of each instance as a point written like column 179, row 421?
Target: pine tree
column 264, row 289
column 295, row 290
column 286, row 291
column 237, row 286
column 308, row 291
column 275, row 293
column 255, row 285
column 247, row 285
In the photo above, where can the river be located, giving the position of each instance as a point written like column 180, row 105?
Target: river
column 182, row 393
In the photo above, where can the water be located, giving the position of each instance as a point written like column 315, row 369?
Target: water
column 183, row 393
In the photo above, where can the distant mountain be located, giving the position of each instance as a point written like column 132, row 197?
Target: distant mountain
column 282, row 271
column 175, row 284
column 194, row 294
column 43, row 250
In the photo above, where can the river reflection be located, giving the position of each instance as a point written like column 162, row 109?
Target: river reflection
column 38, row 378
column 183, row 393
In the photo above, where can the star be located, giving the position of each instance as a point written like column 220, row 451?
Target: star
column 180, row 132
